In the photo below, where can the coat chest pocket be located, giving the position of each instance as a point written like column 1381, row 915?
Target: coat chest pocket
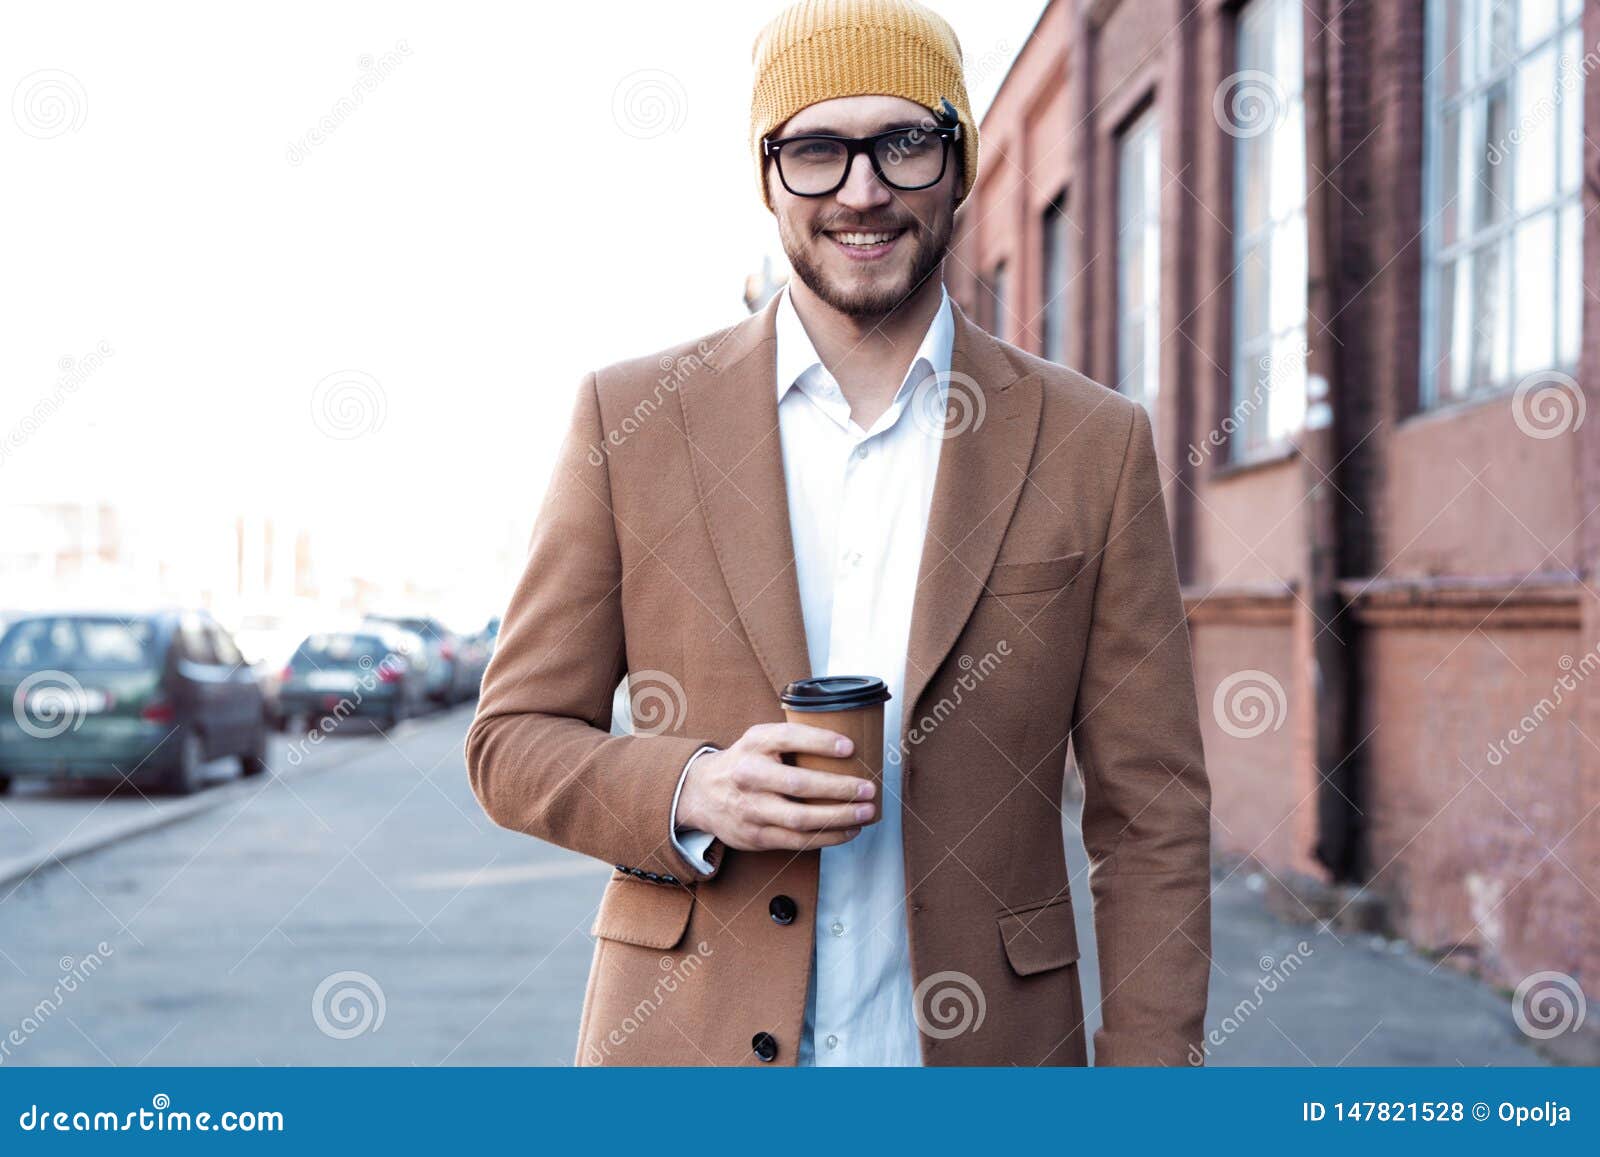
column 1019, row 578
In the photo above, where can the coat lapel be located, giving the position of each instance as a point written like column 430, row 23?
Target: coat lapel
column 731, row 420
column 992, row 423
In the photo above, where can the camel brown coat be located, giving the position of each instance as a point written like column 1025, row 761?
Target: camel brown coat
column 1047, row 609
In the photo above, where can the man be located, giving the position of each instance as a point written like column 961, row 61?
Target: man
column 860, row 481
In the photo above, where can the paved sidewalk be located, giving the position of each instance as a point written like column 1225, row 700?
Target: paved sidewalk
column 1291, row 994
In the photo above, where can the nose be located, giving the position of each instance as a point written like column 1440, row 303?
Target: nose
column 861, row 188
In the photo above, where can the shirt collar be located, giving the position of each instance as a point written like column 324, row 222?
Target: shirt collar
column 797, row 357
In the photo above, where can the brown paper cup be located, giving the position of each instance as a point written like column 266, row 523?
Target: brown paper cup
column 807, row 702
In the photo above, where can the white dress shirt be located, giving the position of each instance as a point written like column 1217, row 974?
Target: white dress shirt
column 858, row 513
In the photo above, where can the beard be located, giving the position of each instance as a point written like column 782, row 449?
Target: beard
column 929, row 246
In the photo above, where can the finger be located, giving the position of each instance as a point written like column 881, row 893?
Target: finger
column 776, row 811
column 782, row 839
column 804, row 782
column 802, row 738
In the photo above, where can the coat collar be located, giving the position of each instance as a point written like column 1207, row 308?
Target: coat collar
column 731, row 422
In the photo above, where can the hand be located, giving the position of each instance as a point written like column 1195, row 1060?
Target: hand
column 742, row 794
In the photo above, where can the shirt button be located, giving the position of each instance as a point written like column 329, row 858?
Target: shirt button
column 861, row 452
column 833, row 1041
column 837, row 929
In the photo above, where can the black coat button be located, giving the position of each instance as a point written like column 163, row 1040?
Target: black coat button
column 782, row 910
column 765, row 1045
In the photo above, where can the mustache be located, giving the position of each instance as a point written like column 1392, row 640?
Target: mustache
column 840, row 224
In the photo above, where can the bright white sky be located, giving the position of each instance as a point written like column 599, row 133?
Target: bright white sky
column 479, row 232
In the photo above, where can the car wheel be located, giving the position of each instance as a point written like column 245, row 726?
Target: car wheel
column 5, row 784
column 254, row 761
column 187, row 775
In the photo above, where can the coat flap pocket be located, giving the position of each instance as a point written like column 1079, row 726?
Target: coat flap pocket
column 1041, row 937
column 638, row 912
column 1016, row 578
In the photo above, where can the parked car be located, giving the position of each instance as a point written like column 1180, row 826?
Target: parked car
column 364, row 673
column 450, row 678
column 149, row 697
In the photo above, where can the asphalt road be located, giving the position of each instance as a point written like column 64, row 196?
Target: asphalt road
column 359, row 909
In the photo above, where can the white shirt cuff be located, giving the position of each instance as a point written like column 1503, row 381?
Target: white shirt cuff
column 691, row 842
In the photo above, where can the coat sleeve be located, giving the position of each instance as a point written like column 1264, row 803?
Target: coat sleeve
column 539, row 752
column 1147, row 801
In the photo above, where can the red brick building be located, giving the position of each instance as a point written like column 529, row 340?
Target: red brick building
column 1347, row 253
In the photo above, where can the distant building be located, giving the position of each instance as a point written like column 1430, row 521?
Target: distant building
column 1338, row 250
column 762, row 287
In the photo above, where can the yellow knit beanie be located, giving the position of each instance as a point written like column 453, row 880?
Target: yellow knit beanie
column 817, row 50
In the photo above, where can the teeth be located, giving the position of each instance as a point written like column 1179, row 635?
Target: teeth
column 865, row 239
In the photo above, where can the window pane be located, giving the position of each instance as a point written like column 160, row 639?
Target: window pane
column 1461, row 344
column 1446, row 367
column 1571, row 288
column 1288, row 292
column 1535, row 250
column 1449, row 178
column 1138, row 258
column 1490, row 334
column 1535, row 147
column 1497, row 42
column 1536, row 21
column 1251, row 298
column 1570, row 79
column 1287, row 379
column 1452, row 16
column 1487, row 157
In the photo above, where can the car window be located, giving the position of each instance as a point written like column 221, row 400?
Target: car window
column 77, row 643
column 227, row 654
column 196, row 640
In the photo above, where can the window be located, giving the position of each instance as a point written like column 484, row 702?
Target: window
column 1269, row 275
column 1053, row 282
column 1139, row 260
column 1502, row 287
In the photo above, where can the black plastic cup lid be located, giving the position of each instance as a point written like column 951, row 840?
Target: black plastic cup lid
column 834, row 693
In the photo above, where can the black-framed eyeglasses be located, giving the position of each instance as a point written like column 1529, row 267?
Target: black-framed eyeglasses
column 907, row 158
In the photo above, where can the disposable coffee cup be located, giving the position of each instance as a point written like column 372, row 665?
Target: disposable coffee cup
column 851, row 705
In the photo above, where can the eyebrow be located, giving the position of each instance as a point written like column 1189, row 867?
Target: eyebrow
column 828, row 131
